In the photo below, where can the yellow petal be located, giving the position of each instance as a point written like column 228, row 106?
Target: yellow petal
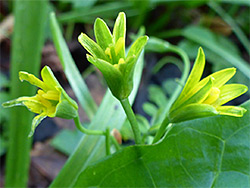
column 213, row 96
column 235, row 111
column 49, row 79
column 221, row 77
column 51, row 95
column 193, row 79
column 32, row 80
column 36, row 122
column 200, row 94
column 229, row 92
column 196, row 72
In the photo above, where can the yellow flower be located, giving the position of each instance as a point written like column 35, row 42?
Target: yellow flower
column 202, row 98
column 51, row 100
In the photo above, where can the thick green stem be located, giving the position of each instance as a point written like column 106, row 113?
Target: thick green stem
column 87, row 131
column 131, row 117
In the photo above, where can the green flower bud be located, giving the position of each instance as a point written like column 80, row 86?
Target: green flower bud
column 108, row 55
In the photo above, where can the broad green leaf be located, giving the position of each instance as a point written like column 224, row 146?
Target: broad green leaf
column 73, row 75
column 207, row 152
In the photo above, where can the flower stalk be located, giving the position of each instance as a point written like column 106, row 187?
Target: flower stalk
column 132, row 119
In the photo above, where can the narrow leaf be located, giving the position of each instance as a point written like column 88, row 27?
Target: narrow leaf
column 73, row 75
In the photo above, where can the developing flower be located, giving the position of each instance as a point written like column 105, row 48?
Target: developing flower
column 51, row 100
column 202, row 98
column 108, row 55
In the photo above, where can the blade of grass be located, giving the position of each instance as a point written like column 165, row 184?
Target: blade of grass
column 100, row 10
column 74, row 77
column 28, row 39
column 91, row 148
column 205, row 38
column 236, row 29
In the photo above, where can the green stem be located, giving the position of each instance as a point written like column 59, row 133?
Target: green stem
column 161, row 130
column 131, row 117
column 107, row 142
column 116, row 144
column 87, row 131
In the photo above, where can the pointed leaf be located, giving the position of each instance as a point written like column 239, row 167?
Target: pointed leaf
column 93, row 48
column 102, row 34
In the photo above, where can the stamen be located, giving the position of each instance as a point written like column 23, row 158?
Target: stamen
column 51, row 95
column 108, row 52
column 213, row 96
